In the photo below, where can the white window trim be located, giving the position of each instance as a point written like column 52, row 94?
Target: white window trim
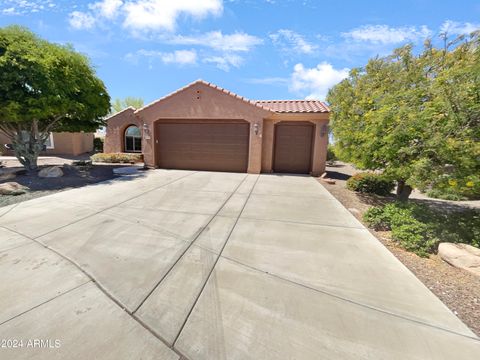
column 52, row 144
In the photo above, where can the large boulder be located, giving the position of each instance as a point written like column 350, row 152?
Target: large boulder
column 12, row 188
column 462, row 256
column 51, row 172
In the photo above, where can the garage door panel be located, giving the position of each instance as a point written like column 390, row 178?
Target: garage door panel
column 203, row 146
column 293, row 148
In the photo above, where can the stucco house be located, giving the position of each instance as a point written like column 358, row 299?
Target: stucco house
column 58, row 143
column 204, row 127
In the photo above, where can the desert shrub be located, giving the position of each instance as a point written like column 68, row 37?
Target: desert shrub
column 331, row 157
column 445, row 195
column 98, row 144
column 368, row 182
column 451, row 188
column 117, row 158
column 419, row 228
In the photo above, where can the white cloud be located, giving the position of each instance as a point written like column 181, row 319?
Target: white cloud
column 315, row 82
column 145, row 15
column 290, row 41
column 22, row 7
column 179, row 57
column 81, row 20
column 226, row 47
column 108, row 9
column 225, row 62
column 238, row 41
column 457, row 28
column 384, row 34
column 140, row 16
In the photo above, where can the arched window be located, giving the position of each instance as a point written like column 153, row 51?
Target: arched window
column 133, row 139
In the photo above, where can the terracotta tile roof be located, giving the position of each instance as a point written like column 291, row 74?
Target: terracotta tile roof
column 295, row 106
column 254, row 103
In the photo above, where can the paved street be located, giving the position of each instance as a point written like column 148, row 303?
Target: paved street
column 209, row 266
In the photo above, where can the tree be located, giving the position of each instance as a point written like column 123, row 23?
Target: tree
column 45, row 87
column 121, row 104
column 416, row 117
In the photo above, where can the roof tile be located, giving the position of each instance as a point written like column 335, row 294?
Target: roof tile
column 295, row 106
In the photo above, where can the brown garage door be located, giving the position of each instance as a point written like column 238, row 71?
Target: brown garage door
column 293, row 148
column 215, row 146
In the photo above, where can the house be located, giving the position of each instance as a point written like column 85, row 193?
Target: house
column 204, row 127
column 59, row 143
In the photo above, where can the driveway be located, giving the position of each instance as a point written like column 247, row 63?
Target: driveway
column 210, row 266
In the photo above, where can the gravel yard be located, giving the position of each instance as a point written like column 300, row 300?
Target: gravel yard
column 74, row 176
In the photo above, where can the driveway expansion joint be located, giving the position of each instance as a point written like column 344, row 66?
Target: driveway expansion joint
column 354, row 302
column 190, row 245
column 219, row 255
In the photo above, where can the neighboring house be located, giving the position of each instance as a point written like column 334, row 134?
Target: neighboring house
column 62, row 143
column 205, row 127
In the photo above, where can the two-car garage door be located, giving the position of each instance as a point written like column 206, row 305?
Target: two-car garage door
column 223, row 145
column 202, row 145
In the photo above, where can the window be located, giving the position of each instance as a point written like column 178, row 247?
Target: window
column 133, row 139
column 49, row 143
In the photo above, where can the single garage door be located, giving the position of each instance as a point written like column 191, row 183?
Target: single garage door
column 215, row 146
column 293, row 147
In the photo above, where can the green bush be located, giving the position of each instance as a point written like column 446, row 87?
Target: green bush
column 419, row 228
column 331, row 157
column 98, row 144
column 368, row 182
column 445, row 195
column 451, row 188
column 126, row 158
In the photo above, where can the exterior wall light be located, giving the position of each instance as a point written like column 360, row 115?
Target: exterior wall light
column 146, row 132
column 255, row 129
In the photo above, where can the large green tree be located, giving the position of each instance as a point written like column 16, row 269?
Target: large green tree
column 121, row 104
column 45, row 87
column 414, row 116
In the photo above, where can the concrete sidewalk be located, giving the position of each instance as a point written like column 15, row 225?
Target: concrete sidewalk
column 211, row 266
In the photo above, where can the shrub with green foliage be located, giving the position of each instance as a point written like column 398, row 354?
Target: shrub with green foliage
column 414, row 115
column 331, row 157
column 117, row 158
column 98, row 144
column 369, row 182
column 419, row 228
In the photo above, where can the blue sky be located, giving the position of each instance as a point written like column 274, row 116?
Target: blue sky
column 261, row 49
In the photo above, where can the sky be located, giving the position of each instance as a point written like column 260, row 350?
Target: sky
column 260, row 49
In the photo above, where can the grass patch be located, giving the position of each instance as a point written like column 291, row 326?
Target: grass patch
column 419, row 228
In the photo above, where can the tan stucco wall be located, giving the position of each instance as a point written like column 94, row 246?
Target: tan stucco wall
column 65, row 143
column 115, row 131
column 201, row 101
column 320, row 143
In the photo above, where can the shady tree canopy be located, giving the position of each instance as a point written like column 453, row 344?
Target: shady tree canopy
column 45, row 87
column 414, row 116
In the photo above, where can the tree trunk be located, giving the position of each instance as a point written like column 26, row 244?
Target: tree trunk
column 403, row 190
column 27, row 145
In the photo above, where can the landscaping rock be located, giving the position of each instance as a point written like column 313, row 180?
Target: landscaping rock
column 462, row 256
column 12, row 188
column 127, row 170
column 51, row 172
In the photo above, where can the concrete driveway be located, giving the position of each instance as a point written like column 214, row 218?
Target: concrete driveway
column 199, row 265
